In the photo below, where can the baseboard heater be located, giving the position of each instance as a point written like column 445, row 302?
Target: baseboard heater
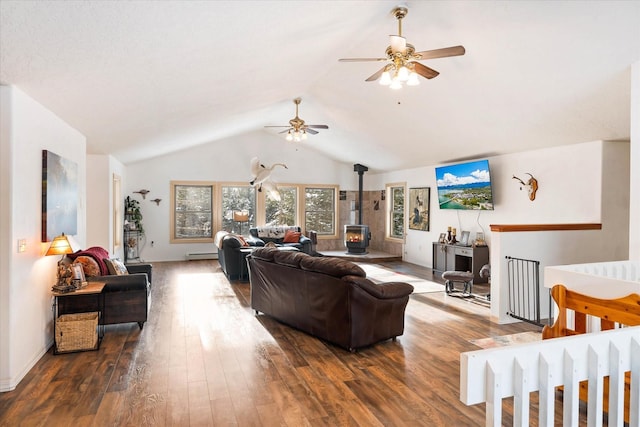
column 192, row 256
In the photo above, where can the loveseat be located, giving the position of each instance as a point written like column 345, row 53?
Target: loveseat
column 125, row 295
column 327, row 297
column 280, row 236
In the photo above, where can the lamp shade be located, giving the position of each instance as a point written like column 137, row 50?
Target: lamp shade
column 61, row 245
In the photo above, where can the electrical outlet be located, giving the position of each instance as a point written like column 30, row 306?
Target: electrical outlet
column 22, row 245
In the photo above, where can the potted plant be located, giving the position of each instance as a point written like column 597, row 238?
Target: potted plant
column 133, row 214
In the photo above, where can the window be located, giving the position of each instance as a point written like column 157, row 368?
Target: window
column 320, row 210
column 191, row 212
column 283, row 211
column 395, row 217
column 238, row 208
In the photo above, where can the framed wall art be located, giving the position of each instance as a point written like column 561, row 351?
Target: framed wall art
column 59, row 196
column 419, row 208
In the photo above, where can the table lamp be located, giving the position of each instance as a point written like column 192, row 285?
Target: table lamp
column 61, row 245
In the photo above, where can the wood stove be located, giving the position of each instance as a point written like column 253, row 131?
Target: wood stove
column 356, row 238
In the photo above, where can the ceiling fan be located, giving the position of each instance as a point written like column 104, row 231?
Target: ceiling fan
column 297, row 129
column 402, row 66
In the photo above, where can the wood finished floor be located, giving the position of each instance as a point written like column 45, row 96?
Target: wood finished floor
column 204, row 358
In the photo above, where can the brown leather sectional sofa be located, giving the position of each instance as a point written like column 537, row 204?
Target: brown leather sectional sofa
column 327, row 297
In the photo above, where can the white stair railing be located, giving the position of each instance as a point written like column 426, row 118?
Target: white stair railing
column 515, row 371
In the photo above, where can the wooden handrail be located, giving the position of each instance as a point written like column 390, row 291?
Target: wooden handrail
column 544, row 227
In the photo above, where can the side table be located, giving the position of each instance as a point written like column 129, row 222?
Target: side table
column 87, row 300
column 243, row 271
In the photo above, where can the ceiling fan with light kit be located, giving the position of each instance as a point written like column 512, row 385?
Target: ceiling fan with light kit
column 297, row 128
column 402, row 66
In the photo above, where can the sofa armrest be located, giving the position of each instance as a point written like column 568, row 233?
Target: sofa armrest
column 307, row 244
column 125, row 282
column 140, row 268
column 388, row 290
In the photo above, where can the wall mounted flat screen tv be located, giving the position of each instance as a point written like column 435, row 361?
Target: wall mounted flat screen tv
column 465, row 186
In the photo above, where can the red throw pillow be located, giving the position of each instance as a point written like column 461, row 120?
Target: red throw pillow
column 291, row 237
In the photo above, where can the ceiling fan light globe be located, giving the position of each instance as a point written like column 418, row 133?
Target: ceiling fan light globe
column 385, row 79
column 403, row 74
column 304, row 135
column 413, row 79
column 289, row 137
column 395, row 84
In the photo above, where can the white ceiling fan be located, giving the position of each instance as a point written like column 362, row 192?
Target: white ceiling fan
column 402, row 59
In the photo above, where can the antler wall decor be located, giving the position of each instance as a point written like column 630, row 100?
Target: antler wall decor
column 531, row 185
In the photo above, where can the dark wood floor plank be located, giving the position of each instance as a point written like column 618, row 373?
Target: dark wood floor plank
column 205, row 358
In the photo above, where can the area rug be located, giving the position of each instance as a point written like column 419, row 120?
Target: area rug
column 501, row 341
column 378, row 274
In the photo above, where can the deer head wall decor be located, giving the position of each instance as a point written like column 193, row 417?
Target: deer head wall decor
column 531, row 185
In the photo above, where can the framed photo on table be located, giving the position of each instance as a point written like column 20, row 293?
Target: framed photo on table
column 464, row 239
column 77, row 278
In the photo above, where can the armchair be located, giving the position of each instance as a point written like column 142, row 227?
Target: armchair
column 231, row 254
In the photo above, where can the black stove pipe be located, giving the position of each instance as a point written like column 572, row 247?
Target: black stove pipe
column 361, row 169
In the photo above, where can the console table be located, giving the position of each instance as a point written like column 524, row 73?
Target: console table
column 460, row 258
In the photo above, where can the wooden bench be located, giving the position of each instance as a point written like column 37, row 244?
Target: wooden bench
column 622, row 311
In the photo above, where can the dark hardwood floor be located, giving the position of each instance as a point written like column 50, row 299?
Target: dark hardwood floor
column 204, row 358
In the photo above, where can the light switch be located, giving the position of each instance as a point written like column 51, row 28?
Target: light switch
column 22, row 245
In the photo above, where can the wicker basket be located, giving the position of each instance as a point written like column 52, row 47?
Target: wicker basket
column 77, row 332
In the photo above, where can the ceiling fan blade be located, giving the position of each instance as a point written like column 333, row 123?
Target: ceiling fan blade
column 375, row 76
column 424, row 71
column 285, row 131
column 361, row 59
column 277, row 126
column 440, row 53
column 311, row 131
column 318, row 126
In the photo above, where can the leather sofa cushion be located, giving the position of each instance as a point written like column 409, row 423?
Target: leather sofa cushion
column 124, row 283
column 290, row 258
column 332, row 266
column 265, row 253
column 388, row 290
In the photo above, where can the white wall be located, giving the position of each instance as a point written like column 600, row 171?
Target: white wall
column 26, row 320
column 634, row 211
column 569, row 180
column 100, row 232
column 6, row 248
column 227, row 161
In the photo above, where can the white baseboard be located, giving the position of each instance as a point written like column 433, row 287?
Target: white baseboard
column 192, row 256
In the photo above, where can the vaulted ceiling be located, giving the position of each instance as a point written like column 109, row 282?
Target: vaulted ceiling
column 145, row 78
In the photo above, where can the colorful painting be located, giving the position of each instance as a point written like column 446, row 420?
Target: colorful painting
column 419, row 208
column 59, row 196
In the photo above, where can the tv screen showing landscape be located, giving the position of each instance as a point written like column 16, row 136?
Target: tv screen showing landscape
column 465, row 186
